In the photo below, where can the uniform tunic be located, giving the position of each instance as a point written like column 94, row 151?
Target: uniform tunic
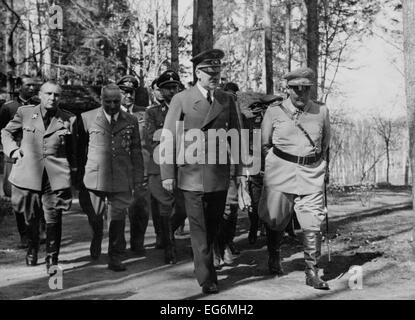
column 288, row 184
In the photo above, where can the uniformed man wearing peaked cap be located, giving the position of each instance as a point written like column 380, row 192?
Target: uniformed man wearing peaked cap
column 138, row 213
column 295, row 142
column 205, row 184
column 171, row 212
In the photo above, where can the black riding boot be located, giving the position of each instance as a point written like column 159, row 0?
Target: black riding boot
column 312, row 253
column 115, row 245
column 33, row 242
column 157, row 223
column 53, row 243
column 138, row 226
column 274, row 239
column 253, row 229
column 97, row 226
column 170, row 255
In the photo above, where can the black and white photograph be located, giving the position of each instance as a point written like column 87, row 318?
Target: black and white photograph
column 207, row 156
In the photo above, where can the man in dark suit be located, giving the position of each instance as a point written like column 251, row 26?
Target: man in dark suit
column 203, row 179
column 111, row 152
column 28, row 90
column 138, row 213
column 45, row 161
column 170, row 206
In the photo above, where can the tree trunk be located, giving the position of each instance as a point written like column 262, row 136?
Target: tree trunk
column 156, row 40
column 288, row 33
column 409, row 57
column 313, row 41
column 268, row 47
column 388, row 161
column 9, row 49
column 175, row 35
column 202, row 26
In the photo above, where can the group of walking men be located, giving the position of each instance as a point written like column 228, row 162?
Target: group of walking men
column 111, row 155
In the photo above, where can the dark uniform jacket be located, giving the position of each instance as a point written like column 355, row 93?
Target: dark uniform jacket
column 193, row 109
column 52, row 149
column 154, row 121
column 112, row 156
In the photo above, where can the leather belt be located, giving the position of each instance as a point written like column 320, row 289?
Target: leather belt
column 295, row 159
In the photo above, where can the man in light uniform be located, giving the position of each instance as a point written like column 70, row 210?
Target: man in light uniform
column 295, row 141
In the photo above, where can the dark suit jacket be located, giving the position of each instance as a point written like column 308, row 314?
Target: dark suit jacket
column 195, row 112
column 112, row 156
column 52, row 149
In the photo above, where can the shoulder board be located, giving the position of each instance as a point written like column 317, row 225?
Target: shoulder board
column 28, row 106
column 9, row 102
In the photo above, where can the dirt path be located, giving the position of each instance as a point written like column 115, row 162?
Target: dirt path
column 374, row 238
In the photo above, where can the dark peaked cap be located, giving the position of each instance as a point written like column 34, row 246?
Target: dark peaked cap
column 300, row 77
column 128, row 82
column 168, row 77
column 209, row 60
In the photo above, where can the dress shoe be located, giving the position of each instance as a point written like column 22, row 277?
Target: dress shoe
column 116, row 266
column 210, row 288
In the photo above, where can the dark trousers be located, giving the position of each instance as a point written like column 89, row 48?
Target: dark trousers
column 138, row 214
column 169, row 205
column 204, row 211
column 255, row 189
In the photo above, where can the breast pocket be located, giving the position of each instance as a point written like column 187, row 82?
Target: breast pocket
column 97, row 137
column 28, row 133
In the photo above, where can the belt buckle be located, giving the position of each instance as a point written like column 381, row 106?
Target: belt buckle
column 301, row 161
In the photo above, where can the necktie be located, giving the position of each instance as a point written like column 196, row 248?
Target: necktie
column 47, row 119
column 112, row 121
column 209, row 98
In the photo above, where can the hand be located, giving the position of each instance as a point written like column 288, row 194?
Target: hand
column 242, row 180
column 169, row 184
column 139, row 190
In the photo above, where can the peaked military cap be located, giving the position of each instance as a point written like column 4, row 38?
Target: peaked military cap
column 154, row 84
column 128, row 82
column 300, row 77
column 251, row 103
column 209, row 60
column 168, row 77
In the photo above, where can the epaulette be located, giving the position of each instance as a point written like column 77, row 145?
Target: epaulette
column 28, row 106
column 9, row 102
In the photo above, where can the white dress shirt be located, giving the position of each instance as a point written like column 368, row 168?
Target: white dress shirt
column 204, row 91
column 109, row 117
